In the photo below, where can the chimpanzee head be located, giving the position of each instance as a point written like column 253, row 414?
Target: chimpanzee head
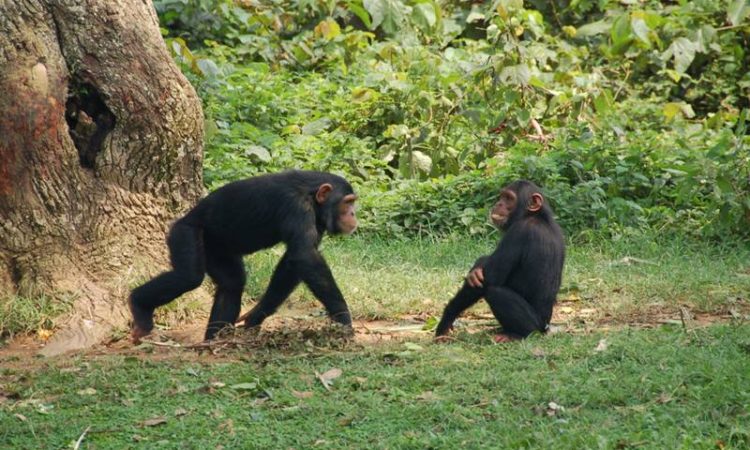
column 337, row 207
column 518, row 200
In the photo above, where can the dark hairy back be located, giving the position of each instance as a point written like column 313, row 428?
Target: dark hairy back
column 255, row 209
column 539, row 246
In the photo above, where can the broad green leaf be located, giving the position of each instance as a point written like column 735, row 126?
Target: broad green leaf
column 360, row 12
column 673, row 74
column 687, row 110
column 316, row 127
column 328, row 29
column 258, row 152
column 424, row 15
column 641, row 30
column 396, row 131
column 683, row 51
column 523, row 116
column 593, row 28
column 603, row 102
column 517, row 75
column 534, row 20
column 388, row 14
column 505, row 8
column 671, row 110
column 360, row 94
column 738, row 10
column 207, row 67
column 291, row 129
column 421, row 161
column 621, row 34
column 724, row 185
column 475, row 16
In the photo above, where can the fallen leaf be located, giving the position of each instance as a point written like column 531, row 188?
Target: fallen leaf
column 601, row 346
column 44, row 334
column 572, row 297
column 154, row 421
column 537, row 352
column 664, row 398
column 553, row 408
column 218, row 384
column 346, row 421
column 629, row 260
column 332, row 374
column 21, row 417
column 244, row 386
column 180, row 412
column 227, row 427
column 565, row 310
column 328, row 376
column 87, row 391
column 428, row 396
column 587, row 312
column 302, row 395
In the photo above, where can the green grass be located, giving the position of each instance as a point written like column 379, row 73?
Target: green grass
column 29, row 314
column 668, row 387
column 632, row 277
column 661, row 388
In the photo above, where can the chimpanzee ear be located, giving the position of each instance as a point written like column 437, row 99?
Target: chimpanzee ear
column 323, row 192
column 536, row 202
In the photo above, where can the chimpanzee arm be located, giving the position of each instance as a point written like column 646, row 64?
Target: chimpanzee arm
column 310, row 266
column 480, row 262
column 505, row 258
column 283, row 281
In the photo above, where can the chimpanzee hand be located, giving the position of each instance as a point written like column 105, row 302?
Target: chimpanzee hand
column 475, row 278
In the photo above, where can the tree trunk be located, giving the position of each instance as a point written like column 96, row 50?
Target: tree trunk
column 100, row 147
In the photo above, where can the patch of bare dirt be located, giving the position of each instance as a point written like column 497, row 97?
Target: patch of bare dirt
column 302, row 332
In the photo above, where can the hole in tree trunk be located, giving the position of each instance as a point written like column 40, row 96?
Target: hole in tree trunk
column 15, row 273
column 89, row 121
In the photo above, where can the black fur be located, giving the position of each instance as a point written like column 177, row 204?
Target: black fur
column 241, row 218
column 523, row 275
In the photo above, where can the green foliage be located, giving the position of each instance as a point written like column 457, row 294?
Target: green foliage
column 630, row 115
column 19, row 315
column 658, row 388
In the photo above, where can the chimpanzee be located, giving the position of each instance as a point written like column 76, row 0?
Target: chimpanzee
column 520, row 279
column 240, row 218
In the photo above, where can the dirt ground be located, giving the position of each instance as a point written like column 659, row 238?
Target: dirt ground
column 294, row 330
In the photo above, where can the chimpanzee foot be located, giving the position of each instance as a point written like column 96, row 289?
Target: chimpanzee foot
column 503, row 338
column 143, row 322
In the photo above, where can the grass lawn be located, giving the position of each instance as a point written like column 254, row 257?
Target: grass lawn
column 601, row 381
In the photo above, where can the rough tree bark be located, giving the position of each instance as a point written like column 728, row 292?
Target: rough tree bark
column 100, row 147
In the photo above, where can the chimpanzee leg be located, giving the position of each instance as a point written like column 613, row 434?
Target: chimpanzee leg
column 514, row 313
column 228, row 274
column 466, row 297
column 186, row 251
column 283, row 281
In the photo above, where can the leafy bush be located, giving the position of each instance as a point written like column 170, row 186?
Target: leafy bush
column 629, row 115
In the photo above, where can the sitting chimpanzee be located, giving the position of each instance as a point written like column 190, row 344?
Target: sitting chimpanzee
column 520, row 279
column 295, row 207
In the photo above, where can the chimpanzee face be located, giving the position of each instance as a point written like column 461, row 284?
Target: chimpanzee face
column 504, row 207
column 339, row 215
column 347, row 219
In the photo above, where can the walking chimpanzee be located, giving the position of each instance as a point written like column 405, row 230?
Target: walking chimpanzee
column 521, row 278
column 240, row 218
